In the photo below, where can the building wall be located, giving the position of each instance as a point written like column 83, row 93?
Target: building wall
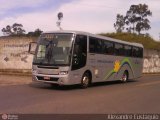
column 151, row 61
column 14, row 55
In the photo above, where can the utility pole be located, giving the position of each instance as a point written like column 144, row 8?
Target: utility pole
column 60, row 16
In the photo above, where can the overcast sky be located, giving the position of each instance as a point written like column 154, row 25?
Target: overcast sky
column 95, row 16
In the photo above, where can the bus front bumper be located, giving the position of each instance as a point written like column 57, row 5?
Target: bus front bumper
column 53, row 79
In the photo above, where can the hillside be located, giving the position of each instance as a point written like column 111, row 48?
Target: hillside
column 148, row 42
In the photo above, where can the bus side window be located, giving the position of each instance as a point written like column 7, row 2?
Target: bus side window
column 92, row 46
column 119, row 49
column 98, row 43
column 141, row 52
column 137, row 52
column 128, row 50
column 95, row 45
column 108, row 48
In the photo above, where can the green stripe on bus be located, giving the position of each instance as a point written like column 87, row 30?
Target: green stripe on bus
column 125, row 60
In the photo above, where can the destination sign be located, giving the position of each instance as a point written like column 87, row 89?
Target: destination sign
column 48, row 36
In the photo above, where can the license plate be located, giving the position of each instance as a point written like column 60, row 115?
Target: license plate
column 46, row 78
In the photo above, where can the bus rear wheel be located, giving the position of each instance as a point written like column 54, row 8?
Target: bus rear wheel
column 85, row 82
column 124, row 77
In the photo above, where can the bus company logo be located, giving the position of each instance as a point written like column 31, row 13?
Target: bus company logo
column 4, row 116
column 116, row 66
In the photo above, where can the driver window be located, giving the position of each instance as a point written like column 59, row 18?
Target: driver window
column 80, row 52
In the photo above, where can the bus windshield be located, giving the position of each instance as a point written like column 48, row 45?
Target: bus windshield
column 53, row 49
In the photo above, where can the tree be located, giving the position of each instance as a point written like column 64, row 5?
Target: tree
column 120, row 22
column 37, row 32
column 15, row 29
column 136, row 18
column 18, row 29
column 7, row 30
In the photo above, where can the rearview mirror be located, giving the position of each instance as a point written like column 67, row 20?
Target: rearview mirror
column 32, row 47
column 75, row 59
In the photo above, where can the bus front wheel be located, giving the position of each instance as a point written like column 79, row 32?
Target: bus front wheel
column 85, row 82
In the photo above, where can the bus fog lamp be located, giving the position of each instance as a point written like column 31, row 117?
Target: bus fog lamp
column 63, row 73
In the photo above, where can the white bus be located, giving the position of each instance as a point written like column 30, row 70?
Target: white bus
column 73, row 57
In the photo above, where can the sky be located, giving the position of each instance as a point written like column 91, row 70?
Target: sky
column 94, row 16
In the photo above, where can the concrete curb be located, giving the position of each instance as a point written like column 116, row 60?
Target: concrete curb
column 145, row 74
column 16, row 72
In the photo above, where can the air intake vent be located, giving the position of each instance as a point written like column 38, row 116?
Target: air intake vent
column 47, row 67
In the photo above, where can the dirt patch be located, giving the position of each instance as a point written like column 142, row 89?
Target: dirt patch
column 6, row 80
column 17, row 72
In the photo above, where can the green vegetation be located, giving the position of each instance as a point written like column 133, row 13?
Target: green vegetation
column 135, row 20
column 147, row 41
column 17, row 30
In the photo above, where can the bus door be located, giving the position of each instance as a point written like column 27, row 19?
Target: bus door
column 79, row 56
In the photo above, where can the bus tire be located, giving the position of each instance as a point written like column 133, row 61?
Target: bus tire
column 125, row 77
column 86, row 80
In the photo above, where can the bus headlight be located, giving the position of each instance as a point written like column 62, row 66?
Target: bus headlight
column 63, row 72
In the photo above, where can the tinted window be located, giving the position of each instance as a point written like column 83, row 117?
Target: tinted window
column 92, row 45
column 108, row 47
column 141, row 52
column 98, row 44
column 128, row 50
column 137, row 52
column 95, row 45
column 119, row 49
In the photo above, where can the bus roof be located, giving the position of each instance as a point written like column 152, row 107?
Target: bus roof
column 97, row 36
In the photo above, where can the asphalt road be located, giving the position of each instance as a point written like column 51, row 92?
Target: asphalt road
column 136, row 96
